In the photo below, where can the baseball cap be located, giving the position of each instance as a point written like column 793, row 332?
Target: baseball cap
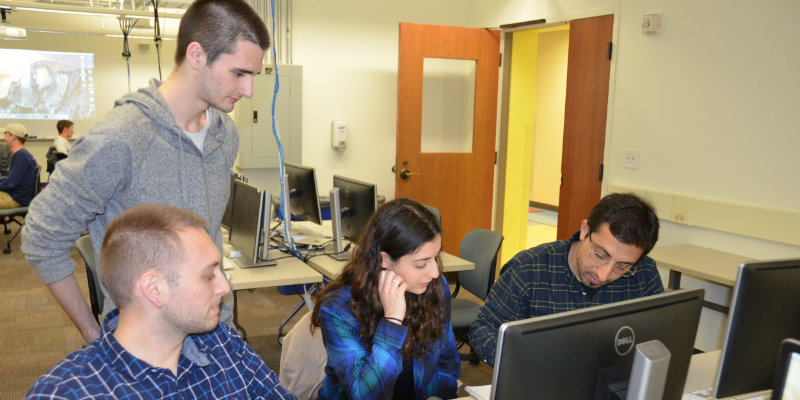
column 17, row 130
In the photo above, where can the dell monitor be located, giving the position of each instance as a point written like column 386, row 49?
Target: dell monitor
column 250, row 205
column 226, row 216
column 588, row 353
column 303, row 198
column 357, row 200
column 765, row 310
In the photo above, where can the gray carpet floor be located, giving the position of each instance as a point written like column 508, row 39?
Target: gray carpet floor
column 35, row 333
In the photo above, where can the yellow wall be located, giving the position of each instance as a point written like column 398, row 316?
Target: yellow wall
column 520, row 139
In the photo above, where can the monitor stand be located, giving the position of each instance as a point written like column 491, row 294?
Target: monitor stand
column 337, row 252
column 266, row 217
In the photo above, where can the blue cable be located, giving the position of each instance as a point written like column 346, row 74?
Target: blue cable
column 287, row 215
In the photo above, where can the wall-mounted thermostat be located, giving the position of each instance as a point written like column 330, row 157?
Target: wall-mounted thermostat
column 339, row 135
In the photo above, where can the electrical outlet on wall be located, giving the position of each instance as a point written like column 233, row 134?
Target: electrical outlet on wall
column 631, row 159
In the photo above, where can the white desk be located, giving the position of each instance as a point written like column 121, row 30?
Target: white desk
column 714, row 266
column 289, row 270
column 331, row 268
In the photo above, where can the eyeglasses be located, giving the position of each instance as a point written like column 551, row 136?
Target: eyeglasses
column 624, row 270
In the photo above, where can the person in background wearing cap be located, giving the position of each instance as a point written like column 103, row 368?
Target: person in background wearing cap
column 16, row 190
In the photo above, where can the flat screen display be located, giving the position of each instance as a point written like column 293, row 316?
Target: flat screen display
column 358, row 201
column 246, row 216
column 54, row 85
column 588, row 353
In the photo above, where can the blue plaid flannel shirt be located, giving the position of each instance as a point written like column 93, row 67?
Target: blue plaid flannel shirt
column 353, row 372
column 212, row 365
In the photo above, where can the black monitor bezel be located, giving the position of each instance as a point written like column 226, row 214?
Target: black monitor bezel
column 357, row 216
column 763, row 312
column 636, row 310
column 250, row 242
column 293, row 172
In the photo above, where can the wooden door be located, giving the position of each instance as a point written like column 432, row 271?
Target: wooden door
column 459, row 184
column 588, row 68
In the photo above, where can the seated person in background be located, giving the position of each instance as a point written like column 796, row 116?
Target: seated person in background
column 385, row 320
column 164, row 340
column 61, row 146
column 16, row 189
column 65, row 131
column 603, row 263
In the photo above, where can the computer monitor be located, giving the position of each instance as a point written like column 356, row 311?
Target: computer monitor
column 303, row 198
column 584, row 354
column 358, row 200
column 249, row 208
column 226, row 216
column 765, row 309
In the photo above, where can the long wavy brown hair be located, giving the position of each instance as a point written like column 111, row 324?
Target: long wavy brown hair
column 399, row 227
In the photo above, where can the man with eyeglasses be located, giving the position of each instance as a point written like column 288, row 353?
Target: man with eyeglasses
column 604, row 262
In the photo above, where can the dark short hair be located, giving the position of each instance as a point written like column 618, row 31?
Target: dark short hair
column 63, row 124
column 218, row 25
column 140, row 238
column 631, row 219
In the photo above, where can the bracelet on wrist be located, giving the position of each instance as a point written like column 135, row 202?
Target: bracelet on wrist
column 400, row 321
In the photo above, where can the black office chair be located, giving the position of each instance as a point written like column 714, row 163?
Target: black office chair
column 96, row 297
column 17, row 215
column 52, row 158
column 435, row 212
column 481, row 247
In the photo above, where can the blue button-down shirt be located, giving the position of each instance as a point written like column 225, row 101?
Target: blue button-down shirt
column 538, row 282
column 212, row 365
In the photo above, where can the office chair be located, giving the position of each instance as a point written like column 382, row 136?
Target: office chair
column 96, row 297
column 52, row 158
column 435, row 212
column 8, row 215
column 481, row 247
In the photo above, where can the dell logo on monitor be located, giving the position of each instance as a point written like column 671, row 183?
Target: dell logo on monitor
column 624, row 340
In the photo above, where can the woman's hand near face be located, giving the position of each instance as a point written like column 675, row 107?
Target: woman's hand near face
column 392, row 292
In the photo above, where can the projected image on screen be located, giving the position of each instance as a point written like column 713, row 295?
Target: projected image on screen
column 46, row 85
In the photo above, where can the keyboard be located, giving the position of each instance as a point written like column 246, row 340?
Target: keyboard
column 227, row 263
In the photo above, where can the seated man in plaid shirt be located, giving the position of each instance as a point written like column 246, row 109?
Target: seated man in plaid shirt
column 604, row 262
column 164, row 340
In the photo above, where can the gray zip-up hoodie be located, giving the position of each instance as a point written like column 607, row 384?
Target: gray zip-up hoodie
column 136, row 154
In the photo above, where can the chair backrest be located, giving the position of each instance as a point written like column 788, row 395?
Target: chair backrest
column 96, row 297
column 435, row 212
column 5, row 159
column 37, row 184
column 303, row 360
column 481, row 247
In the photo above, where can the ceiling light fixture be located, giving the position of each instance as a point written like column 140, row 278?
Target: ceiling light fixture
column 62, row 9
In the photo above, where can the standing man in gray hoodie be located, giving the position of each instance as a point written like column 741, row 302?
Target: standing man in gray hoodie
column 169, row 143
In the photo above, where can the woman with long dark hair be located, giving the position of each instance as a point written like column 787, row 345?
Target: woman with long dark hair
column 385, row 320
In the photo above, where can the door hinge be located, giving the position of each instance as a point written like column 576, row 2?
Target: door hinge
column 600, row 177
column 501, row 59
column 495, row 158
column 610, row 47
